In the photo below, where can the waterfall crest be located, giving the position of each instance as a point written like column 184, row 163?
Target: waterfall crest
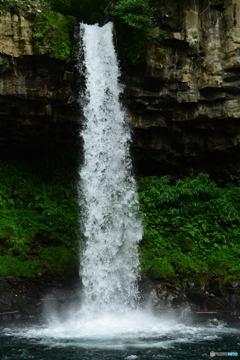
column 111, row 221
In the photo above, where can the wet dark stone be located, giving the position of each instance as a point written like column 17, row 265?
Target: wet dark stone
column 24, row 297
column 196, row 297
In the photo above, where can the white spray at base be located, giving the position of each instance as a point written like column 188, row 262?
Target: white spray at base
column 111, row 222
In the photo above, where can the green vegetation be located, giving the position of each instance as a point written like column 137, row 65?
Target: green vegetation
column 87, row 11
column 51, row 29
column 39, row 216
column 136, row 14
column 11, row 5
column 192, row 227
column 52, row 261
column 133, row 20
column 51, row 34
column 52, row 23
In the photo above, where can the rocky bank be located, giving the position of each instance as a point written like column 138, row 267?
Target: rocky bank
column 27, row 298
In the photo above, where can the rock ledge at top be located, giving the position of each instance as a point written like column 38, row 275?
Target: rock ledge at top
column 16, row 35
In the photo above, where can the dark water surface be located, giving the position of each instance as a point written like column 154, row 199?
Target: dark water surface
column 159, row 339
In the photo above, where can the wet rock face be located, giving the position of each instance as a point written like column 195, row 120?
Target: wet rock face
column 184, row 105
column 27, row 297
column 37, row 102
column 212, row 297
column 37, row 93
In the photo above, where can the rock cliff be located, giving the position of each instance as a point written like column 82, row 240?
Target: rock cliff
column 183, row 100
column 37, row 93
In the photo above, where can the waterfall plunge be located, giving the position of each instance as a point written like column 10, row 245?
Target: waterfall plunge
column 111, row 222
column 112, row 229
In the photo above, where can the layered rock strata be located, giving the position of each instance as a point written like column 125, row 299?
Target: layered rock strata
column 37, row 93
column 184, row 104
column 183, row 100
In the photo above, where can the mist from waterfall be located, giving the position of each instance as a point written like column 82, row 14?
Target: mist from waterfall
column 111, row 221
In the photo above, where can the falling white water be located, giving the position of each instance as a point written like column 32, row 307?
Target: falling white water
column 111, row 222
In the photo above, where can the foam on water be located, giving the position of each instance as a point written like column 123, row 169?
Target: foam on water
column 139, row 330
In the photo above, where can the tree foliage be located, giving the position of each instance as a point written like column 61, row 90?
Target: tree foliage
column 11, row 5
column 133, row 20
column 87, row 11
column 51, row 34
column 136, row 14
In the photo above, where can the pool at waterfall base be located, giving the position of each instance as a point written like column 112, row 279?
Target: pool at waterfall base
column 136, row 335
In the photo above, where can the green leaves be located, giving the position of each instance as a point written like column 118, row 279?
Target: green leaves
column 137, row 14
column 37, row 201
column 133, row 21
column 87, row 11
column 194, row 218
column 51, row 34
column 11, row 5
column 14, row 266
column 162, row 268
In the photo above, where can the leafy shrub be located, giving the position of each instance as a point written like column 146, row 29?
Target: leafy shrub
column 87, row 11
column 194, row 224
column 162, row 268
column 15, row 266
column 51, row 260
column 57, row 260
column 51, row 34
column 133, row 20
column 136, row 14
column 185, row 264
column 38, row 207
column 11, row 5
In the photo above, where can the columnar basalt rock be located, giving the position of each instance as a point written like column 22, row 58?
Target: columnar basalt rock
column 16, row 35
column 185, row 104
column 37, row 93
column 37, row 97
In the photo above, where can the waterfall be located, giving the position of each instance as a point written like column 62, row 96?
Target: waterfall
column 111, row 221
